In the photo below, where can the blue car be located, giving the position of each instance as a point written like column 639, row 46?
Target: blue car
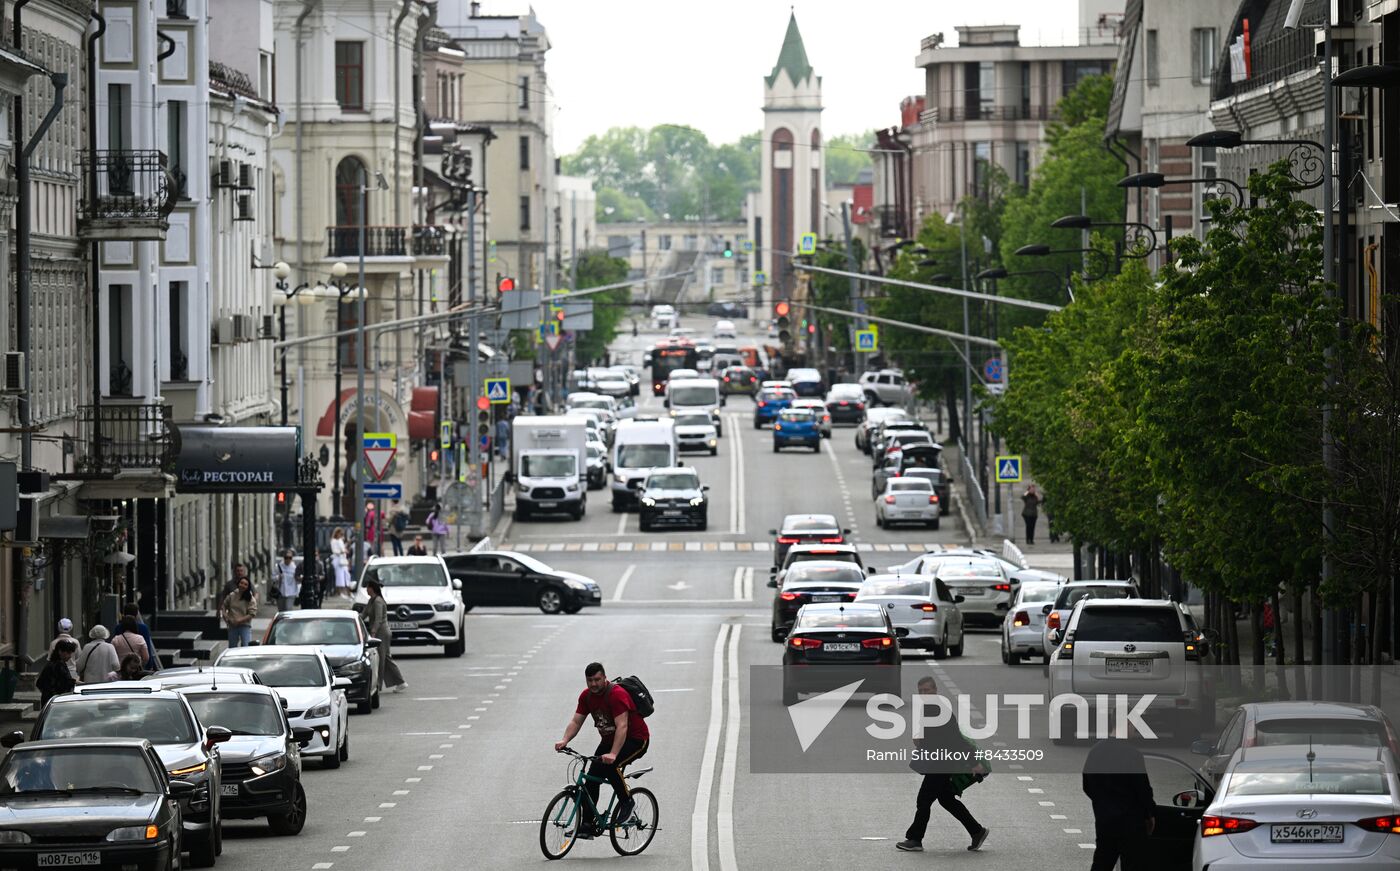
column 796, row 426
column 768, row 402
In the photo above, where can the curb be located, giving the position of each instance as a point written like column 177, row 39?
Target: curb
column 972, row 531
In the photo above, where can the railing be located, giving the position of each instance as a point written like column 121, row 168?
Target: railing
column 131, row 437
column 379, row 242
column 975, row 496
column 131, row 186
column 991, row 113
column 429, row 240
column 1291, row 51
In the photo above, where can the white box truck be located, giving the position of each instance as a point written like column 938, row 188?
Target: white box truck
column 640, row 445
column 549, row 458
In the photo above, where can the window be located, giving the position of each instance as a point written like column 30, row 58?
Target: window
column 1207, row 169
column 118, row 347
column 349, row 175
column 1074, row 71
column 178, row 331
column 1154, row 76
column 663, row 242
column 350, row 75
column 1203, row 51
column 175, row 131
column 1023, row 164
column 979, row 88
column 1025, row 89
column 119, row 177
column 981, row 160
column 524, row 92
column 525, row 212
column 524, row 152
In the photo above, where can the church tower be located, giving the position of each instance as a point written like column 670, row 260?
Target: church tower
column 790, row 202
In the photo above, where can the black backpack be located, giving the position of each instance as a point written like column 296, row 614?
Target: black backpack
column 641, row 696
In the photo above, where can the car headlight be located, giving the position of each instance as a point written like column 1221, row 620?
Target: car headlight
column 320, row 711
column 444, row 606
column 193, row 769
column 350, row 669
column 576, row 584
column 698, row 500
column 572, row 488
column 621, row 479
column 521, row 488
column 13, row 836
column 648, row 501
column 712, row 442
column 269, row 763
column 127, row 834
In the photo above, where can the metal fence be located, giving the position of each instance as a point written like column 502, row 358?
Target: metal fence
column 496, row 504
column 972, row 490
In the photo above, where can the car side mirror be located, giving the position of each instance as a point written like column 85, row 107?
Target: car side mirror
column 14, row 739
column 1190, row 798
column 901, row 631
column 773, row 583
column 1202, row 747
column 457, row 584
column 374, row 643
column 302, row 735
column 1047, row 609
column 1054, row 636
column 959, row 599
column 341, row 683
column 180, row 788
column 216, row 735
column 665, row 403
column 705, row 488
column 845, row 532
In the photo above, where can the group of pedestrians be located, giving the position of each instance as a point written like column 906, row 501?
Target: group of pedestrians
column 125, row 652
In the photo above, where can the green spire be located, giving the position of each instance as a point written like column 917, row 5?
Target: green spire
column 793, row 57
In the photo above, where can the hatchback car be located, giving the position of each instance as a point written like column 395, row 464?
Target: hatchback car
column 796, row 427
column 425, row 605
column 805, row 529
column 87, row 803
column 262, row 761
column 1021, row 634
column 769, row 402
column 818, row 409
column 315, row 697
column 695, row 431
column 923, row 605
column 674, row 497
column 982, row 583
column 845, row 403
column 504, row 577
column 347, row 645
column 908, row 500
column 830, row 642
column 815, row 581
column 738, row 379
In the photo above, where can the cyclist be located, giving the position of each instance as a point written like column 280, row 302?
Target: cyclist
column 623, row 734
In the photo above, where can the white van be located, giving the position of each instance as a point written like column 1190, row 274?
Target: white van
column 696, row 394
column 725, row 330
column 663, row 317
column 640, row 445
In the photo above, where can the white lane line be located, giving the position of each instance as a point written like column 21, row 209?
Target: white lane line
column 622, row 583
column 679, row 662
column 734, row 500
column 622, row 523
column 724, row 816
column 747, row 594
column 700, row 815
column 738, row 582
column 675, row 690
column 679, row 650
column 739, row 492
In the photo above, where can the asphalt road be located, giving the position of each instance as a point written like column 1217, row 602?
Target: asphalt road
column 456, row 771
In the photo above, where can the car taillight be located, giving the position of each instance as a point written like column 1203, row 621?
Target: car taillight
column 844, row 403
column 933, row 498
column 834, row 540
column 889, row 500
column 1052, row 621
column 726, row 379
column 1021, row 619
column 786, row 539
column 789, row 597
column 1211, row 826
column 804, row 643
column 926, row 607
column 1002, row 588
column 777, row 427
column 1386, row 825
column 877, row 643
column 761, row 403
column 859, row 405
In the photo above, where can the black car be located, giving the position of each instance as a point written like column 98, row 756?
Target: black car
column 502, row 577
column 79, row 803
column 832, row 644
column 805, row 529
column 342, row 637
column 728, row 309
column 809, row 582
column 673, row 497
column 262, row 761
column 188, row 750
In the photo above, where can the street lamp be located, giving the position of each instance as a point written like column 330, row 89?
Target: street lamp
column 1157, row 180
column 342, row 293
column 1141, row 239
column 1037, row 250
column 1305, row 167
column 1001, row 272
column 283, row 271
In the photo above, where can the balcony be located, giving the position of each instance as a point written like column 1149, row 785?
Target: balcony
column 1271, row 60
column 134, row 196
column 133, row 438
column 990, row 113
column 379, row 242
column 429, row 240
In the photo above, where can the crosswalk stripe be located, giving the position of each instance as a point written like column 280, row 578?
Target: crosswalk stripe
column 696, row 546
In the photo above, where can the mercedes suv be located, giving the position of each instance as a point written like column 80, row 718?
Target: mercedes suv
column 425, row 603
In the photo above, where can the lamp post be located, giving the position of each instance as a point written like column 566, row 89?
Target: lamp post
column 1157, row 180
column 359, row 516
column 1307, row 169
column 1140, row 240
column 282, row 271
column 1036, row 250
column 338, row 271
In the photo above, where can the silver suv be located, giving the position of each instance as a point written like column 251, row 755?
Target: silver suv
column 886, row 387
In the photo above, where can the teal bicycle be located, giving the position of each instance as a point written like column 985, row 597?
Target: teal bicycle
column 559, row 829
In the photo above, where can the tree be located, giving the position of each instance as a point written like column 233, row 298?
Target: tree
column 834, row 291
column 596, row 269
column 846, row 156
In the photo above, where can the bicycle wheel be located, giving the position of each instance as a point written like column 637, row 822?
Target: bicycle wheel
column 559, row 825
column 632, row 836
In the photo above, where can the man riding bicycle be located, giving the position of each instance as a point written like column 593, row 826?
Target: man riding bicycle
column 623, row 734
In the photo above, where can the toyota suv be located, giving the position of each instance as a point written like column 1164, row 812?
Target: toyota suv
column 1134, row 648
column 425, row 603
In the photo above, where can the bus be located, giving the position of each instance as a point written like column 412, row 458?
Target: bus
column 668, row 357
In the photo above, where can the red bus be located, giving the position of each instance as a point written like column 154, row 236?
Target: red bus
column 668, row 357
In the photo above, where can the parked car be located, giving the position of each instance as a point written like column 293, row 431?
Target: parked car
column 342, row 637
column 925, row 458
column 885, row 387
column 923, row 605
column 907, row 500
column 725, row 330
column 503, row 577
column 797, row 426
column 315, row 697
column 846, row 404
column 597, row 465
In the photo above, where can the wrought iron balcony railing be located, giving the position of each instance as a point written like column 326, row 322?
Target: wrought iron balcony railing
column 379, row 242
column 123, row 437
column 991, row 113
column 429, row 240
column 134, row 195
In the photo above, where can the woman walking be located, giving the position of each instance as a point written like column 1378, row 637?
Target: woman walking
column 340, row 559
column 1030, row 511
column 377, row 621
column 56, row 679
column 239, row 609
column 438, row 527
column 129, row 640
column 98, row 657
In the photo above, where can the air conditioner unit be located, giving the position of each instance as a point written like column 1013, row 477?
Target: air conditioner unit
column 245, row 176
column 223, row 178
column 269, row 327
column 223, row 331
column 245, row 208
column 243, row 328
column 27, row 520
column 14, row 373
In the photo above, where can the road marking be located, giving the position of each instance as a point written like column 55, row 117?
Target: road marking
column 679, row 650
column 401, row 792
column 622, row 523
column 1074, row 831
column 1058, row 817
column 739, row 489
column 1046, row 804
column 373, row 819
column 700, row 815
column 747, row 594
column 435, row 699
column 388, row 804
column 322, row 866
column 679, row 662
column 355, row 834
column 423, row 733
column 1086, row 846
column 738, row 582
column 345, row 848
column 724, row 816
column 677, row 690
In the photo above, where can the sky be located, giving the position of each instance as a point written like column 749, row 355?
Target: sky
column 617, row 63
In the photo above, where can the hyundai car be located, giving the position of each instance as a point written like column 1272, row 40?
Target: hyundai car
column 315, row 697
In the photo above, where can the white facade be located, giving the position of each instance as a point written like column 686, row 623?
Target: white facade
column 575, row 209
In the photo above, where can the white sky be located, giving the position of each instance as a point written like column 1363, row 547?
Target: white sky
column 643, row 62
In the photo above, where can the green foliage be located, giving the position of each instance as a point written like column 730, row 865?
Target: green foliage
column 595, row 269
column 845, row 156
column 834, row 291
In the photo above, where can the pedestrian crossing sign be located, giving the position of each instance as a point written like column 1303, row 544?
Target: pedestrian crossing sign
column 1009, row 469
column 746, row 245
column 498, row 390
column 760, row 278
column 807, row 244
column 867, row 341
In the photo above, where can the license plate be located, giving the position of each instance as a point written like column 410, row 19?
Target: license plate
column 668, row 513
column 840, row 647
column 1311, row 833
column 229, row 789
column 1129, row 666
column 403, row 625
column 827, row 598
column 70, row 860
column 968, row 591
column 549, row 504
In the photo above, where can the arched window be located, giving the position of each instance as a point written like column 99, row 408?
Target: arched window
column 349, row 175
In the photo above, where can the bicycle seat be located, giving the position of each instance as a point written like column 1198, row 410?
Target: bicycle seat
column 639, row 772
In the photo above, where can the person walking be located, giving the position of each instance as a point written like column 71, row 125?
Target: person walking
column 417, row 548
column 377, row 622
column 285, row 575
column 57, row 678
column 1030, row 511
column 131, row 609
column 130, row 669
column 371, row 527
column 1115, row 780
column 240, row 572
column 129, row 640
column 239, row 609
column 340, row 559
column 939, row 779
column 98, row 658
column 502, row 438
column 398, row 524
column 65, row 633
column 438, row 527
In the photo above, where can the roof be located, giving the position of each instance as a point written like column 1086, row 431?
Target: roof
column 792, row 57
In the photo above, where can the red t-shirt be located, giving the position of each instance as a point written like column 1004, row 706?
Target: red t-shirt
column 604, row 708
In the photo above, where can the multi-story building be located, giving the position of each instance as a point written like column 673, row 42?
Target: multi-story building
column 683, row 261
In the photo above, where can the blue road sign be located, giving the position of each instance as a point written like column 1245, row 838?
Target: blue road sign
column 1009, row 469
column 807, row 243
column 498, row 390
column 991, row 370
column 383, row 490
column 866, row 341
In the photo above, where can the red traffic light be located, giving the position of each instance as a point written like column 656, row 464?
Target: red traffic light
column 433, row 456
column 281, row 498
column 483, row 403
column 781, row 308
column 505, row 284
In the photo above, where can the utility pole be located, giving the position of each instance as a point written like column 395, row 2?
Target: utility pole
column 855, row 288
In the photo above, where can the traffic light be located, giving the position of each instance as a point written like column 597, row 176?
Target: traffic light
column 505, row 284
column 811, row 329
column 281, row 499
column 780, row 318
column 433, row 459
column 559, row 316
column 728, row 251
column 483, row 420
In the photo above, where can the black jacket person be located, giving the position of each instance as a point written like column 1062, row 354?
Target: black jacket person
column 943, row 752
column 1115, row 780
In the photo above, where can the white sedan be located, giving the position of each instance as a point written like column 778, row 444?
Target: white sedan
column 315, row 697
column 1297, row 805
column 908, row 500
column 1021, row 633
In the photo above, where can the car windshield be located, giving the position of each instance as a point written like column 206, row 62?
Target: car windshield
column 969, row 570
column 1034, row 592
column 241, row 713
column 911, row 484
column 595, row 452
column 1069, row 595
column 44, row 769
column 1117, row 623
column 673, row 481
column 694, row 420
column 836, row 556
column 283, row 670
column 548, row 465
column 842, row 619
column 1318, row 730
column 160, row 721
column 643, row 456
column 1324, row 777
column 693, row 394
column 823, row 574
column 315, row 630
column 897, row 588
column 815, row 523
column 407, row 574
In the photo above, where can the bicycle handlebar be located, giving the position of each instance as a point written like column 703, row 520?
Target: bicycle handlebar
column 569, row 751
